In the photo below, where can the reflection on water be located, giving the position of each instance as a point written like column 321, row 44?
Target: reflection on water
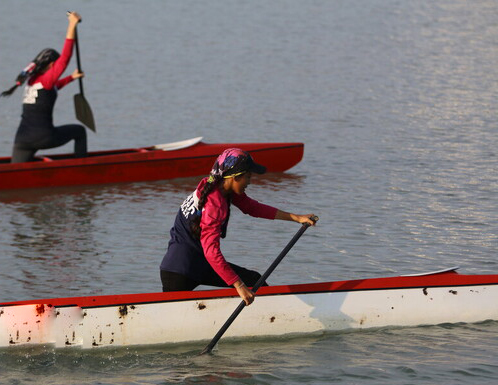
column 276, row 181
column 53, row 242
column 139, row 189
column 93, row 193
column 60, row 237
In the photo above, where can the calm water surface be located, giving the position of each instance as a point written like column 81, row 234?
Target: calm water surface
column 396, row 104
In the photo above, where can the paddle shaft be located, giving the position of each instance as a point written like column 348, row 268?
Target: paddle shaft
column 80, row 80
column 255, row 288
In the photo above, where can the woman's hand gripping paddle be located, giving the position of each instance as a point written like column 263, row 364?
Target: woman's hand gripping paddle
column 258, row 284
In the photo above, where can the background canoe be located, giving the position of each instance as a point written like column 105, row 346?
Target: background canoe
column 167, row 161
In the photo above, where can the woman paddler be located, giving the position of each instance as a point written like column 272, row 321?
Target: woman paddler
column 194, row 256
column 36, row 130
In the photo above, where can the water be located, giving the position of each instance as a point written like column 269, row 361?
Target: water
column 396, row 103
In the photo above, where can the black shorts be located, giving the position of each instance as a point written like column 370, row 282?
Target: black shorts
column 24, row 150
column 179, row 282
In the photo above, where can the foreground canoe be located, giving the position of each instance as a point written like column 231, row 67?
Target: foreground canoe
column 166, row 161
column 159, row 318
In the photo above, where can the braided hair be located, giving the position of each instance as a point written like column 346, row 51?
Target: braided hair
column 36, row 67
column 195, row 225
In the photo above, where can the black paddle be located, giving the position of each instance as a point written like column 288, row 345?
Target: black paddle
column 258, row 284
column 83, row 111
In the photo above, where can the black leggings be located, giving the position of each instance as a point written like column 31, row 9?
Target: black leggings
column 179, row 282
column 24, row 152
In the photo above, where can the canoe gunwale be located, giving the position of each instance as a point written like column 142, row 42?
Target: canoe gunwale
column 440, row 280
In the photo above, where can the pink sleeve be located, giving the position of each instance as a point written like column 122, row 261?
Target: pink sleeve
column 214, row 214
column 64, row 81
column 253, row 207
column 49, row 78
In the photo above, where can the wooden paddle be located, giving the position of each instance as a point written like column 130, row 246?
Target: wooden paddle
column 258, row 284
column 83, row 111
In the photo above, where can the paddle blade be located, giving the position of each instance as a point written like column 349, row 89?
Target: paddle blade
column 83, row 112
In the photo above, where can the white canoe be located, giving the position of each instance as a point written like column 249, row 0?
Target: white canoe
column 161, row 318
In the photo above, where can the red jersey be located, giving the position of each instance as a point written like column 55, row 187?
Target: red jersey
column 190, row 256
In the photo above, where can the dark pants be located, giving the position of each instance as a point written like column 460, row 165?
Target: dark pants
column 24, row 152
column 179, row 282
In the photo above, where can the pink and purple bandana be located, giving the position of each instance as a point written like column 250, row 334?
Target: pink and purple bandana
column 234, row 161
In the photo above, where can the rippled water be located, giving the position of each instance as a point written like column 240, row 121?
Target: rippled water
column 396, row 104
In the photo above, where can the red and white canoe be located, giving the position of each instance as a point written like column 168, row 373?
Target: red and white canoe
column 161, row 318
column 165, row 161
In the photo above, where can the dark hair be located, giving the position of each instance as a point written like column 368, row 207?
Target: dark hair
column 195, row 224
column 37, row 66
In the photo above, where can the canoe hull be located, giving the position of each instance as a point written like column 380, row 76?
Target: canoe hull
column 144, row 164
column 160, row 318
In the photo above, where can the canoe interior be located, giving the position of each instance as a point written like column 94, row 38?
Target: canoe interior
column 166, row 147
column 55, row 157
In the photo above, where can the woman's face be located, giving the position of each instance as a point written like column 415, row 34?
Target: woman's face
column 240, row 182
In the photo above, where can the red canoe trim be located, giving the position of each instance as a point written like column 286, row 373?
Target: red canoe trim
column 450, row 279
column 132, row 165
column 109, row 157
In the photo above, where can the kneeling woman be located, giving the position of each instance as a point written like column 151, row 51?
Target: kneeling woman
column 194, row 256
column 36, row 130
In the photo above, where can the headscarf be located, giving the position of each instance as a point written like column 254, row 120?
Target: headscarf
column 233, row 162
